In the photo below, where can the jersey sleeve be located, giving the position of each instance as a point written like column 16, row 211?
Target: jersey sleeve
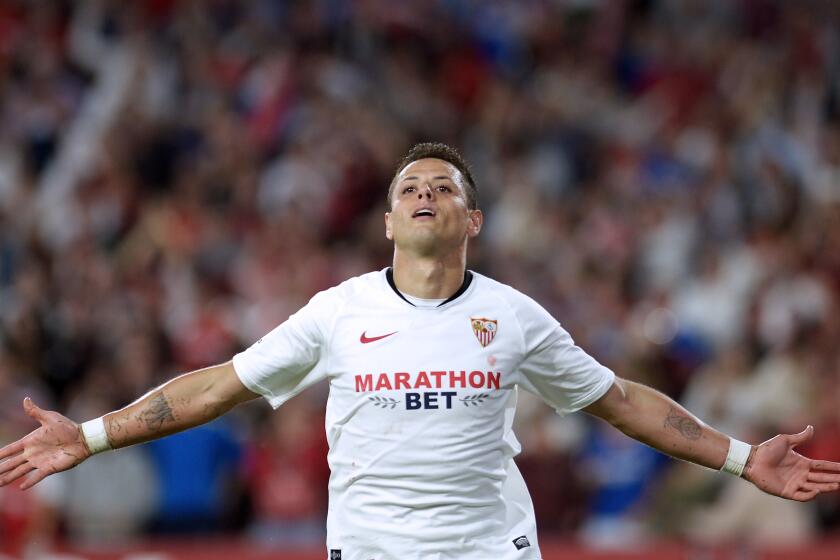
column 553, row 367
column 291, row 357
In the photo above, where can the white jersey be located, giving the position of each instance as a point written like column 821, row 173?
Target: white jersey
column 420, row 411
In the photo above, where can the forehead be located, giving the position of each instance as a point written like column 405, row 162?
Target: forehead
column 430, row 168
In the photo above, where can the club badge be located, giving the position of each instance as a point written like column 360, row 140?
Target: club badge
column 484, row 329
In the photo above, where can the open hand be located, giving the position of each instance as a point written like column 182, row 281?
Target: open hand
column 56, row 446
column 777, row 469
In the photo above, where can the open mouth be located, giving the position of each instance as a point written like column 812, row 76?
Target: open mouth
column 424, row 212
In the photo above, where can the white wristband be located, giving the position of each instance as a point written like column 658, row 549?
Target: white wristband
column 95, row 436
column 737, row 457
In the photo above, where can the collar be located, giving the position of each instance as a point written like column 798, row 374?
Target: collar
column 468, row 277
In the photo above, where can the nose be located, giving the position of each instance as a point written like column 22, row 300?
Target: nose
column 427, row 192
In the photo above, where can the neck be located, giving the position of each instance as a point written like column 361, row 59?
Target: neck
column 429, row 277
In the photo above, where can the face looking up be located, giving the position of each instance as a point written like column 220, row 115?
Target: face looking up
column 429, row 213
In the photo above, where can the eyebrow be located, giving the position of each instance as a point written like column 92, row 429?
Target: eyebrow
column 438, row 178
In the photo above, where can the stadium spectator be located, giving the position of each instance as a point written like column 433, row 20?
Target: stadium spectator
column 287, row 479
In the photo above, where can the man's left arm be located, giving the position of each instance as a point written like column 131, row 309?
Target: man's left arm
column 658, row 421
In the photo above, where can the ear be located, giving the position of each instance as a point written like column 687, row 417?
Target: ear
column 388, row 233
column 476, row 218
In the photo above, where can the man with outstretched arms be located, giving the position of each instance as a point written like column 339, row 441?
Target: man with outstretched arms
column 424, row 360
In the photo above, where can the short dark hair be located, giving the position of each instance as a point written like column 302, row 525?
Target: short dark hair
column 438, row 150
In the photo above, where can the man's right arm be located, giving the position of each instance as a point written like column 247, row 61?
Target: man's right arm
column 184, row 402
column 59, row 443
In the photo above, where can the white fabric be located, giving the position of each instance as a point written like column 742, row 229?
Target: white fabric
column 422, row 302
column 737, row 457
column 420, row 412
column 95, row 435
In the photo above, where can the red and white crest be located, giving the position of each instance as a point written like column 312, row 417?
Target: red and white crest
column 484, row 329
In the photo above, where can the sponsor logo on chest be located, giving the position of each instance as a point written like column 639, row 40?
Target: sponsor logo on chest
column 433, row 389
column 449, row 381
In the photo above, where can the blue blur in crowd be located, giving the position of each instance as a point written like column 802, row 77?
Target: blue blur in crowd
column 622, row 471
column 195, row 468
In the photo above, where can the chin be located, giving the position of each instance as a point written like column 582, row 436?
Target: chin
column 427, row 245
column 418, row 242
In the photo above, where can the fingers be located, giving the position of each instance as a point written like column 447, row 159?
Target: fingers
column 816, row 465
column 31, row 409
column 805, row 495
column 816, row 483
column 34, row 479
column 12, row 463
column 11, row 449
column 16, row 474
column 820, row 486
column 823, row 477
column 801, row 437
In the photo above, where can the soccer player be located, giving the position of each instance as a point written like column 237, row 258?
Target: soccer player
column 424, row 360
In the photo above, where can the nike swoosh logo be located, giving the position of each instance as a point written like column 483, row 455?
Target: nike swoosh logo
column 364, row 339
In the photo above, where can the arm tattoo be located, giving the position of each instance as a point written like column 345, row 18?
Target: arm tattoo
column 213, row 410
column 157, row 412
column 683, row 424
column 115, row 429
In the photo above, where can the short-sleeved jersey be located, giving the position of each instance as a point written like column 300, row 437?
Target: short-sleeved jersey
column 420, row 410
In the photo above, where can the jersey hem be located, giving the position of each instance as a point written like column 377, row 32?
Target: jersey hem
column 592, row 396
column 249, row 384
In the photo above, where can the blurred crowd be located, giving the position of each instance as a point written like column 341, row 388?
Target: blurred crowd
column 178, row 176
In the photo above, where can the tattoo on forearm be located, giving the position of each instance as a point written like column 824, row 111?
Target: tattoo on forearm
column 114, row 427
column 157, row 412
column 182, row 402
column 683, row 424
column 213, row 410
column 116, row 430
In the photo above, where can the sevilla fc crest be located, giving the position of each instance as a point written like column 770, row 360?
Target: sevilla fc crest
column 484, row 329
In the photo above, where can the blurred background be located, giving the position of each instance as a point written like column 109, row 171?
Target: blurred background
column 178, row 176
